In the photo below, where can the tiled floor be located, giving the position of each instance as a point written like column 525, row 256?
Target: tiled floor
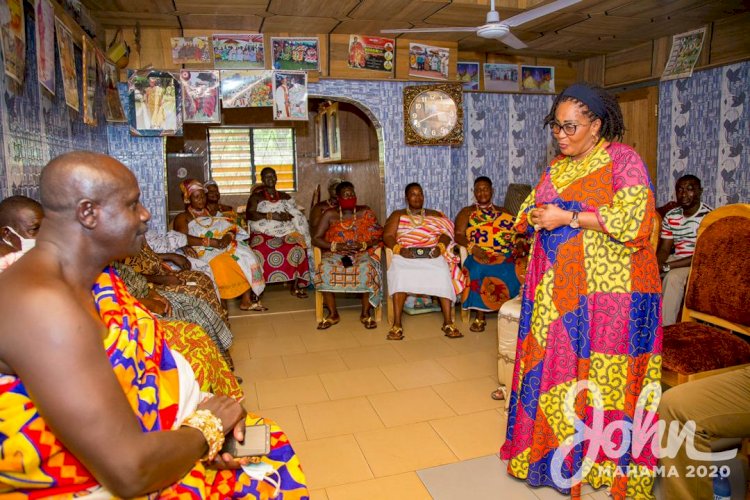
column 366, row 414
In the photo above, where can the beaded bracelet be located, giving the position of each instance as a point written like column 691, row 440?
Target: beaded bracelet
column 333, row 247
column 396, row 249
column 211, row 428
column 441, row 246
column 206, row 242
column 364, row 246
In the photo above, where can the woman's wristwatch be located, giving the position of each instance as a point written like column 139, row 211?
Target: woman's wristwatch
column 665, row 268
column 574, row 221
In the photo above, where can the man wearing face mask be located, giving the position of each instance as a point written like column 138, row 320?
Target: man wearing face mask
column 20, row 218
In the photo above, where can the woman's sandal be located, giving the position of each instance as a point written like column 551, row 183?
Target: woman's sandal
column 478, row 325
column 368, row 321
column 395, row 333
column 300, row 293
column 328, row 323
column 451, row 331
column 255, row 306
column 498, row 394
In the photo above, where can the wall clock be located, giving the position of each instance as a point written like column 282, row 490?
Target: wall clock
column 433, row 115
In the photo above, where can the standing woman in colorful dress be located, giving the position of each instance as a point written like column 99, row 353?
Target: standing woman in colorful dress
column 590, row 314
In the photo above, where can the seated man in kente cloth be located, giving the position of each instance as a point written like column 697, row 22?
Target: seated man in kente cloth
column 122, row 413
column 280, row 235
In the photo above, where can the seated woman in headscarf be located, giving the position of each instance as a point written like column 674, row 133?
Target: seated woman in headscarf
column 220, row 242
column 349, row 237
column 423, row 260
column 493, row 268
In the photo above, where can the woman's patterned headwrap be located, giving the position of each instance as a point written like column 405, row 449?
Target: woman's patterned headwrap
column 188, row 187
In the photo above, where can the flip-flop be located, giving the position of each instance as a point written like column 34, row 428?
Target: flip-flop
column 368, row 321
column 478, row 325
column 328, row 323
column 395, row 333
column 451, row 331
column 300, row 293
column 255, row 306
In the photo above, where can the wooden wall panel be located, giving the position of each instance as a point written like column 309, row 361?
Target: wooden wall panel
column 628, row 65
column 339, row 62
column 402, row 58
column 591, row 70
column 566, row 72
column 730, row 40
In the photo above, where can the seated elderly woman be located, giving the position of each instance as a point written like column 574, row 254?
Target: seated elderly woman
column 493, row 268
column 350, row 235
column 423, row 260
column 280, row 235
column 220, row 242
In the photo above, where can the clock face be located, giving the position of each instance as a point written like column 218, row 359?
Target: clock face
column 433, row 114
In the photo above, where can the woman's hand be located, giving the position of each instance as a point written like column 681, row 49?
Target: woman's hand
column 189, row 251
column 179, row 260
column 549, row 217
column 225, row 241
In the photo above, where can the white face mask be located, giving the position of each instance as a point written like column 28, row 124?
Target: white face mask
column 26, row 243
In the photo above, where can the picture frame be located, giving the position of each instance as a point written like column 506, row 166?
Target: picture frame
column 113, row 111
column 537, row 79
column 238, row 51
column 89, row 81
column 13, row 39
column 295, row 54
column 68, row 64
column 200, row 96
column 290, row 95
column 372, row 53
column 501, row 77
column 191, row 50
column 153, row 97
column 467, row 72
column 45, row 44
column 428, row 61
column 246, row 88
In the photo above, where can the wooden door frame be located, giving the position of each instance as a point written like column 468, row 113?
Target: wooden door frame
column 650, row 95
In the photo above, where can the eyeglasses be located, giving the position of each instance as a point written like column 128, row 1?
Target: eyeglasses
column 568, row 128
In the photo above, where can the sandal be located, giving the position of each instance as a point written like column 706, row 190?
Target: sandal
column 478, row 325
column 395, row 333
column 255, row 306
column 328, row 323
column 300, row 293
column 498, row 394
column 368, row 321
column 451, row 331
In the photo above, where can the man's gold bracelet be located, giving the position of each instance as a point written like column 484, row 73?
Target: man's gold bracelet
column 441, row 246
column 396, row 249
column 364, row 246
column 211, row 428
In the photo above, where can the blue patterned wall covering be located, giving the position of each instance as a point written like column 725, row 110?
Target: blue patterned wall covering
column 145, row 157
column 704, row 129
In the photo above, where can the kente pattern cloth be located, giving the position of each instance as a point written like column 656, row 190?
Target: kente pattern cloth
column 427, row 234
column 34, row 464
column 211, row 370
column 206, row 226
column 490, row 285
column 195, row 283
column 284, row 259
column 184, row 307
column 365, row 275
column 590, row 314
column 683, row 230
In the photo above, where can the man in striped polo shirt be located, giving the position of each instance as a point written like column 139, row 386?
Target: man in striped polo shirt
column 677, row 244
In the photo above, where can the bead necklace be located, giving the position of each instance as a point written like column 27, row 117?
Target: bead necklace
column 353, row 219
column 411, row 217
column 488, row 210
column 201, row 213
column 273, row 198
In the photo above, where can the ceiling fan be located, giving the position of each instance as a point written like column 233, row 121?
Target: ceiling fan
column 494, row 28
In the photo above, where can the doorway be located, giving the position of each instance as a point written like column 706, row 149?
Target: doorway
column 639, row 112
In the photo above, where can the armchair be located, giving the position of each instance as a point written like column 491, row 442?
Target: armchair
column 717, row 302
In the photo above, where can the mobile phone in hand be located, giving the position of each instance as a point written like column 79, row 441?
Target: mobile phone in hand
column 346, row 261
column 257, row 442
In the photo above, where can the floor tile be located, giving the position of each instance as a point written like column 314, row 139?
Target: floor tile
column 318, row 495
column 329, row 340
column 485, row 476
column 352, row 383
column 402, row 449
column 332, row 461
column 289, row 420
column 470, row 365
column 257, row 369
column 370, row 356
column 469, row 396
column 473, row 435
column 419, row 349
column 290, row 391
column 276, row 346
column 310, row 363
column 416, row 374
column 409, row 406
column 399, row 487
column 335, row 418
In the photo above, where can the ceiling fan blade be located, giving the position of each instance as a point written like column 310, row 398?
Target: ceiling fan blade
column 431, row 30
column 513, row 41
column 530, row 15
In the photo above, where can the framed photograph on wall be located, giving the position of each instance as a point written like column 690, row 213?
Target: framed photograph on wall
column 13, row 38
column 468, row 74
column 371, row 52
column 200, row 96
column 246, row 88
column 153, row 99
column 45, row 44
column 186, row 50
column 238, row 51
column 292, row 54
column 537, row 78
column 290, row 95
column 68, row 64
column 113, row 111
column 501, row 77
column 89, row 81
column 427, row 61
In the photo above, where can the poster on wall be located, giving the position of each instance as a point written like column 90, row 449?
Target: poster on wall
column 186, row 50
column 13, row 36
column 468, row 74
column 89, row 81
column 238, row 51
column 501, row 77
column 200, row 96
column 295, row 54
column 371, row 52
column 249, row 88
column 686, row 47
column 113, row 111
column 45, row 44
column 290, row 95
column 427, row 61
column 68, row 64
column 538, row 78
column 153, row 99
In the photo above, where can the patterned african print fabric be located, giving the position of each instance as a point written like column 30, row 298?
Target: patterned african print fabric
column 590, row 316
column 211, row 370
column 493, row 283
column 33, row 463
column 365, row 275
column 426, row 234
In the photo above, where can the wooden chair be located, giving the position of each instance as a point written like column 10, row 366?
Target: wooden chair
column 716, row 302
column 315, row 198
column 317, row 259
